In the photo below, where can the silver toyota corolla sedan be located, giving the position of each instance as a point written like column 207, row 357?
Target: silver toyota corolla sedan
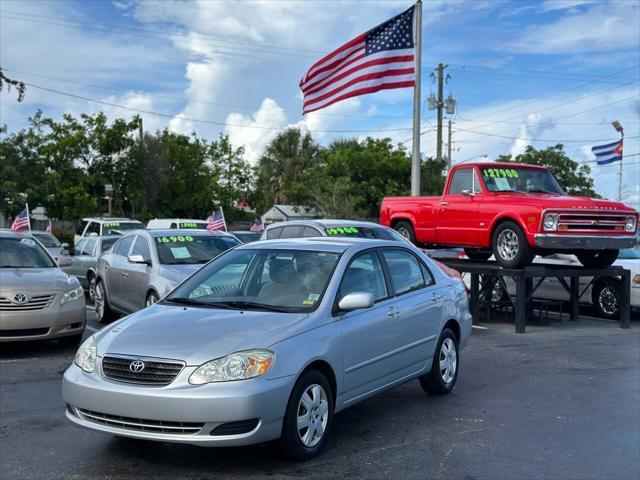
column 38, row 301
column 144, row 265
column 268, row 341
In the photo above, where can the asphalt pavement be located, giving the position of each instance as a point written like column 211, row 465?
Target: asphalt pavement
column 559, row 402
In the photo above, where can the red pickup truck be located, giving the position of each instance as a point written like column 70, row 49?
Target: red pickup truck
column 513, row 211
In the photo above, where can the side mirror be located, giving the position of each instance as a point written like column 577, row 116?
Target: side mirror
column 64, row 261
column 138, row 259
column 64, row 245
column 468, row 193
column 355, row 301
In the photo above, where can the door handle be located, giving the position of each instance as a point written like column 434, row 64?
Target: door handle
column 435, row 296
column 125, row 275
column 392, row 313
column 444, row 203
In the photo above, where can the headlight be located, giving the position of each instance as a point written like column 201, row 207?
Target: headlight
column 86, row 355
column 237, row 366
column 72, row 295
column 630, row 226
column 550, row 221
column 636, row 280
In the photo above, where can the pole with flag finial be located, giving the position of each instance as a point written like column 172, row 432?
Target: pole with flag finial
column 415, row 156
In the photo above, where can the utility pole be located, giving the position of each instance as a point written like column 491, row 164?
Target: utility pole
column 415, row 154
column 440, row 105
column 449, row 162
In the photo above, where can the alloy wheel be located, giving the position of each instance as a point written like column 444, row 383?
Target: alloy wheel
column 98, row 301
column 608, row 300
column 312, row 415
column 448, row 360
column 404, row 232
column 508, row 244
column 151, row 299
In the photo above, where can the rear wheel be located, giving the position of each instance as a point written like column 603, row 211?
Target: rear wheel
column 444, row 369
column 91, row 280
column 607, row 298
column 308, row 416
column 510, row 246
column 405, row 229
column 477, row 254
column 152, row 298
column 597, row 258
column 101, row 304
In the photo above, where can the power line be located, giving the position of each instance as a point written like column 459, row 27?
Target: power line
column 538, row 139
column 197, row 120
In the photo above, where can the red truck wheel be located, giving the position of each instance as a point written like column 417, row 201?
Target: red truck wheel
column 406, row 230
column 510, row 246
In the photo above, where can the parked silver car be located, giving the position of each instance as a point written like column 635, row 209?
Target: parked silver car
column 270, row 340
column 330, row 228
column 84, row 262
column 38, row 301
column 144, row 265
column 51, row 243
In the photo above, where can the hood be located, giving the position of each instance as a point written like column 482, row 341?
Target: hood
column 562, row 202
column 177, row 273
column 195, row 335
column 36, row 280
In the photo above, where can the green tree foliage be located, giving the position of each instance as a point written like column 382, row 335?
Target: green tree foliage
column 574, row 178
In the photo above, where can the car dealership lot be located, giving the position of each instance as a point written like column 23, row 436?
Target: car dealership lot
column 558, row 402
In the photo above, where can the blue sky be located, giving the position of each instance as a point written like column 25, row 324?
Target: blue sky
column 522, row 72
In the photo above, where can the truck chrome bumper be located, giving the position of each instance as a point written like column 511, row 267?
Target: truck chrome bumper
column 587, row 242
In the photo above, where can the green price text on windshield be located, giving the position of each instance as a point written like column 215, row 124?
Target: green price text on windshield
column 175, row 239
column 341, row 230
column 500, row 172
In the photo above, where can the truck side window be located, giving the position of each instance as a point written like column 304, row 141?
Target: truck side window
column 462, row 180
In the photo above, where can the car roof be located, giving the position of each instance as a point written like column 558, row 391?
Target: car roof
column 177, row 220
column 499, row 165
column 172, row 232
column 110, row 219
column 8, row 233
column 326, row 223
column 323, row 244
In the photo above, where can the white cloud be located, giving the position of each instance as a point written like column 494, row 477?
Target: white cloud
column 533, row 125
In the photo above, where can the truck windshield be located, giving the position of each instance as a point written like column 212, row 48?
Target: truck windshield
column 520, row 179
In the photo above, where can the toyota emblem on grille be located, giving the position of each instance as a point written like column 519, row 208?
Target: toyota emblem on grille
column 136, row 366
column 20, row 298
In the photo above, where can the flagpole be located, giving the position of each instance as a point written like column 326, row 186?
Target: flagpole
column 415, row 154
column 28, row 219
column 224, row 220
column 620, row 177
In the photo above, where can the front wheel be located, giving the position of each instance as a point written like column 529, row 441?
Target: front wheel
column 597, row 258
column 444, row 369
column 607, row 298
column 510, row 246
column 308, row 416
column 406, row 230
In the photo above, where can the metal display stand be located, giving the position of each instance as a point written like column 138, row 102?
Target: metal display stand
column 525, row 289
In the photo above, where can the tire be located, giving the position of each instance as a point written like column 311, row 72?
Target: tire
column 405, row 229
column 607, row 298
column 303, row 444
column 101, row 304
column 510, row 246
column 597, row 258
column 496, row 293
column 477, row 254
column 152, row 297
column 73, row 341
column 441, row 380
column 91, row 280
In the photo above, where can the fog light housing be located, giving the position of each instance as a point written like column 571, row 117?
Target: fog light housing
column 630, row 225
column 550, row 221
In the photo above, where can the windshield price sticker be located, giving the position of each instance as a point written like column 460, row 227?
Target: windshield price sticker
column 500, row 172
column 111, row 224
column 175, row 239
column 189, row 225
column 341, row 230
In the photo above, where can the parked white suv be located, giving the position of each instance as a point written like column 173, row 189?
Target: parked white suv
column 100, row 226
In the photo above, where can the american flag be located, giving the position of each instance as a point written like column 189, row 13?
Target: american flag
column 21, row 222
column 49, row 228
column 380, row 59
column 257, row 226
column 216, row 221
column 609, row 153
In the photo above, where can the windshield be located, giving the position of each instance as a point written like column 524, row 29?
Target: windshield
column 272, row 280
column 189, row 249
column 23, row 253
column 248, row 237
column 380, row 233
column 520, row 179
column 629, row 254
column 107, row 243
column 47, row 240
column 113, row 228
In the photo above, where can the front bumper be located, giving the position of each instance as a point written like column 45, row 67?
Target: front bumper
column 209, row 405
column 54, row 321
column 584, row 242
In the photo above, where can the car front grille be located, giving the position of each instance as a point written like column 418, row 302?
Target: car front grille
column 24, row 332
column 37, row 302
column 156, row 371
column 138, row 424
column 596, row 223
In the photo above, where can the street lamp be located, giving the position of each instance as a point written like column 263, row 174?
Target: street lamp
column 618, row 126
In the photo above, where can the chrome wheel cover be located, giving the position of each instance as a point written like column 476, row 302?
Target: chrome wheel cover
column 312, row 415
column 151, row 299
column 92, row 289
column 508, row 244
column 404, row 232
column 448, row 361
column 608, row 300
column 98, row 301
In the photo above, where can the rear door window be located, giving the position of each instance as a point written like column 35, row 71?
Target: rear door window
column 311, row 232
column 89, row 246
column 292, row 231
column 274, row 232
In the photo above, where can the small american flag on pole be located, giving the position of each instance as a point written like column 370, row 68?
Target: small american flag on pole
column 21, row 221
column 216, row 221
column 257, row 226
column 380, row 59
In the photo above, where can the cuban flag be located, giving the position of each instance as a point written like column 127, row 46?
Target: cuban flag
column 609, row 153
